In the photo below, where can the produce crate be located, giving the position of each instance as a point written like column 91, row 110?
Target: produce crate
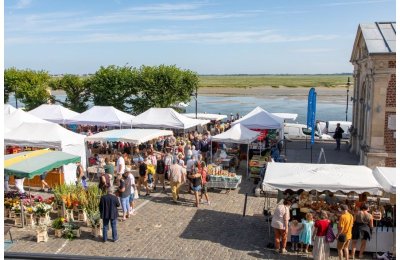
column 224, row 182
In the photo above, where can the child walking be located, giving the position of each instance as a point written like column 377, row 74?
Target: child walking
column 295, row 228
column 306, row 232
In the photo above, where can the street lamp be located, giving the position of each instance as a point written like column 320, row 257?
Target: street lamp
column 347, row 100
column 15, row 95
column 195, row 97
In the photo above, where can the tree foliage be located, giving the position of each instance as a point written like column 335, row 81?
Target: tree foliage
column 112, row 86
column 29, row 86
column 162, row 86
column 76, row 90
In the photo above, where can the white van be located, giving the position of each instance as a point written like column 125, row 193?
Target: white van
column 331, row 126
column 300, row 131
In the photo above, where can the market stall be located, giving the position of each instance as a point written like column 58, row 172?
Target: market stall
column 32, row 164
column 317, row 178
column 49, row 135
column 15, row 118
column 102, row 116
column 261, row 120
column 165, row 118
column 386, row 176
column 132, row 136
column 53, row 113
column 206, row 116
column 237, row 134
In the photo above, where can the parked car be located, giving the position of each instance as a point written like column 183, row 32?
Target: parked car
column 300, row 131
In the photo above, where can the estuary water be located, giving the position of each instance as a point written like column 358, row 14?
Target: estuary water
column 327, row 109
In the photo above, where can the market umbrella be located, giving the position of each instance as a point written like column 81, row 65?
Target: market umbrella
column 30, row 164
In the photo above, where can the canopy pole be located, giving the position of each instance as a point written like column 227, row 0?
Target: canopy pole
column 247, row 166
column 211, row 161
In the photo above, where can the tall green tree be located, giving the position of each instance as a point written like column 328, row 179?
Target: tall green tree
column 112, row 86
column 29, row 86
column 162, row 86
column 76, row 89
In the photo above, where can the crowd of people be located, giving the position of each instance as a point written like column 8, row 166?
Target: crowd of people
column 316, row 230
column 174, row 162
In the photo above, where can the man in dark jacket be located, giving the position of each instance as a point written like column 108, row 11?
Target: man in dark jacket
column 338, row 135
column 109, row 213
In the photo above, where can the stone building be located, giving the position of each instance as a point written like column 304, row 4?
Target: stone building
column 374, row 97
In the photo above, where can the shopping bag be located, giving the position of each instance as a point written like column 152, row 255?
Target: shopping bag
column 136, row 194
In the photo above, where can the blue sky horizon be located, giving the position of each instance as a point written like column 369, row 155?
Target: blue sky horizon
column 208, row 37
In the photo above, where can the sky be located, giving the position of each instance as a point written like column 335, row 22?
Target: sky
column 207, row 37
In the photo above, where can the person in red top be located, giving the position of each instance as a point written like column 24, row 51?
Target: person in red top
column 321, row 248
column 203, row 172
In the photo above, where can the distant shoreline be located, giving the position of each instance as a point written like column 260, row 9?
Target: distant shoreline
column 323, row 93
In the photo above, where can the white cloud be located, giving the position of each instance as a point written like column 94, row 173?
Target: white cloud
column 314, row 50
column 226, row 37
column 21, row 4
column 355, row 2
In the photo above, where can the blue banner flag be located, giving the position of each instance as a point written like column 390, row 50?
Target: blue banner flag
column 311, row 111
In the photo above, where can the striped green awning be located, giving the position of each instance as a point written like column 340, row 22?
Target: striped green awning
column 30, row 164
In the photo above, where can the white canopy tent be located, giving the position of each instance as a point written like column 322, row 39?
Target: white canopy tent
column 17, row 117
column 286, row 116
column 166, row 118
column 321, row 177
column 386, row 176
column 53, row 113
column 8, row 109
column 102, row 116
column 216, row 117
column 135, row 136
column 49, row 135
column 237, row 134
column 259, row 118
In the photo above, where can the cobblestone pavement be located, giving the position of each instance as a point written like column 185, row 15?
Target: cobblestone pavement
column 163, row 230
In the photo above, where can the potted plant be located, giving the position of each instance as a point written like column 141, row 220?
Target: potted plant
column 42, row 211
column 58, row 225
column 95, row 223
column 71, row 230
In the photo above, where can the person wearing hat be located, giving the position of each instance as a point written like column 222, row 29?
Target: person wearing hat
column 344, row 232
column 109, row 213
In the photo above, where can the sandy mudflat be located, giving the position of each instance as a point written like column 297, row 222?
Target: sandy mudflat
column 300, row 92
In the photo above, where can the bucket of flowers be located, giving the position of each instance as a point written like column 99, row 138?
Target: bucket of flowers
column 42, row 211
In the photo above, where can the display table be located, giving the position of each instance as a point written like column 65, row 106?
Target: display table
column 384, row 238
column 224, row 182
column 94, row 170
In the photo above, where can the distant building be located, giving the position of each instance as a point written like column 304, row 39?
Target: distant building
column 374, row 107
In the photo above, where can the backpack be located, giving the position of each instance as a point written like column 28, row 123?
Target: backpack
column 330, row 235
